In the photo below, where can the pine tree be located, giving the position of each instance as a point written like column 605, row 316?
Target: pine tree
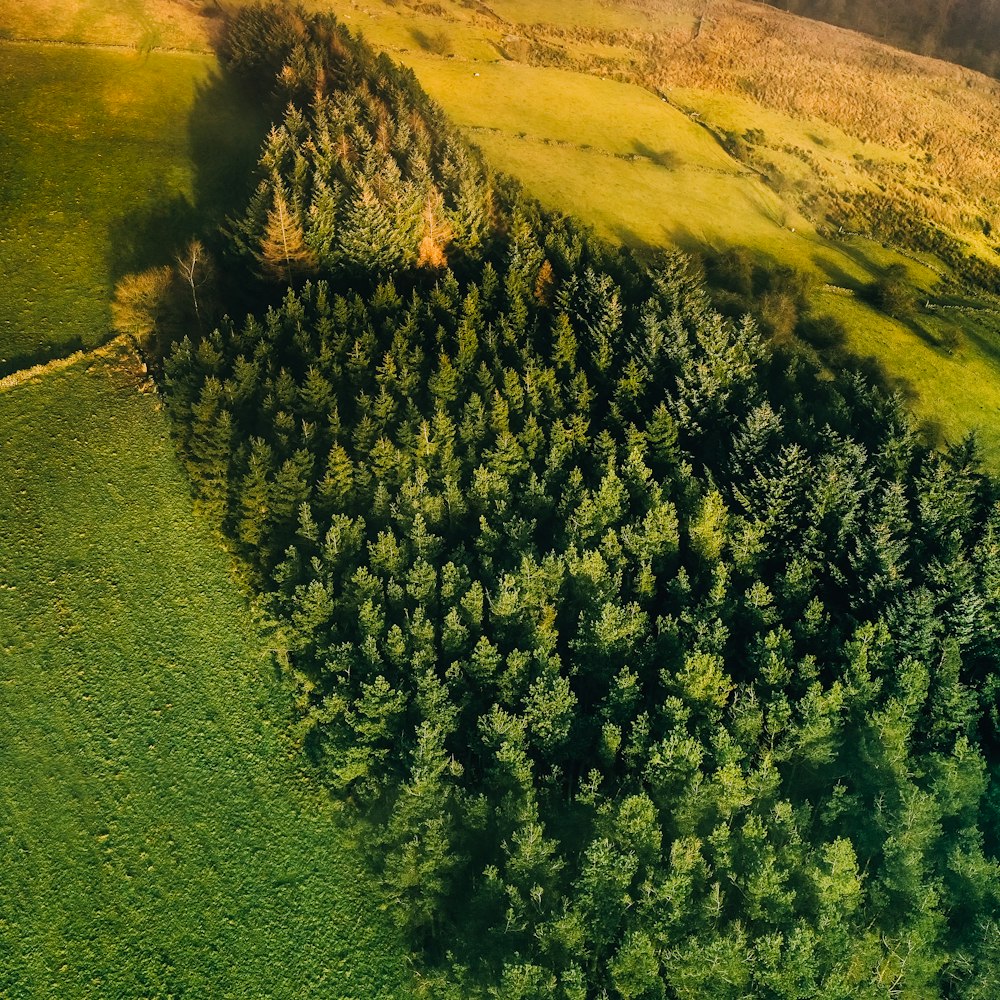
column 437, row 233
column 283, row 252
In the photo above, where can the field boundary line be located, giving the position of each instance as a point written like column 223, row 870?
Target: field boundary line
column 138, row 50
column 36, row 372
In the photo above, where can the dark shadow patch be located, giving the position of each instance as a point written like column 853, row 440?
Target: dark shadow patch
column 43, row 355
column 436, row 42
column 836, row 275
column 666, row 158
column 150, row 235
column 227, row 126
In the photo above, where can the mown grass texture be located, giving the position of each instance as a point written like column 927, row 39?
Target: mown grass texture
column 157, row 836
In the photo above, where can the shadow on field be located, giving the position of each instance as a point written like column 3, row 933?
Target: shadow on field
column 226, row 129
column 629, row 238
column 665, row 158
column 855, row 254
column 150, row 235
column 983, row 334
column 835, row 274
column 42, row 356
column 913, row 324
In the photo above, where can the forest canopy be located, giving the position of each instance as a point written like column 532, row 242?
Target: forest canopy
column 659, row 662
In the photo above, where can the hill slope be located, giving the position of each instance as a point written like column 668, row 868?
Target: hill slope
column 966, row 32
column 772, row 137
column 750, row 128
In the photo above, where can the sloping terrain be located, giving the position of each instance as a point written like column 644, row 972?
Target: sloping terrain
column 158, row 836
column 659, row 660
column 103, row 169
column 745, row 127
column 705, row 127
column 964, row 32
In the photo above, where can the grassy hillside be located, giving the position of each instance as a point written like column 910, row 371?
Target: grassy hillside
column 136, row 24
column 473, row 502
column 648, row 154
column 156, row 837
column 156, row 834
column 100, row 172
column 617, row 113
column 963, row 32
column 91, row 138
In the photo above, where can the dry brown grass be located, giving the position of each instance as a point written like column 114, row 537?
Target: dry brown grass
column 932, row 125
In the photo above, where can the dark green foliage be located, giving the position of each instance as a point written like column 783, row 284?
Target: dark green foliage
column 259, row 39
column 652, row 656
column 894, row 294
column 777, row 297
column 363, row 176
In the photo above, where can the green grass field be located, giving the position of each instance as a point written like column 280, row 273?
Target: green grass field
column 138, row 24
column 100, row 172
column 90, row 139
column 156, row 835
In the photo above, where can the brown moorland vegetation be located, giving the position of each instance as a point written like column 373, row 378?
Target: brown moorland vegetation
column 931, row 124
column 963, row 32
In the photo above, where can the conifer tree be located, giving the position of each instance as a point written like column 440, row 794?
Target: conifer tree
column 283, row 252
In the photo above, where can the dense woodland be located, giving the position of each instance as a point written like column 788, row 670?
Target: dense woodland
column 962, row 31
column 658, row 662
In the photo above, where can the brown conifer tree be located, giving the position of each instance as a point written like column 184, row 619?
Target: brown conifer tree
column 437, row 233
column 284, row 254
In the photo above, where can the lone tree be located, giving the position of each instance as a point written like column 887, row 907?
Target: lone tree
column 196, row 269
column 893, row 294
column 141, row 306
column 438, row 234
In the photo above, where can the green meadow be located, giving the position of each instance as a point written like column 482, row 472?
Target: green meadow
column 157, row 836
column 138, row 24
column 90, row 139
column 103, row 170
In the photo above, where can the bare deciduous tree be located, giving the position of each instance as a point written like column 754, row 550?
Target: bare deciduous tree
column 196, row 268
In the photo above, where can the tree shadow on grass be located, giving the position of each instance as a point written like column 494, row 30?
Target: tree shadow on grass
column 835, row 274
column 665, row 158
column 149, row 235
column 43, row 355
column 226, row 129
column 919, row 330
column 981, row 334
column 857, row 255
